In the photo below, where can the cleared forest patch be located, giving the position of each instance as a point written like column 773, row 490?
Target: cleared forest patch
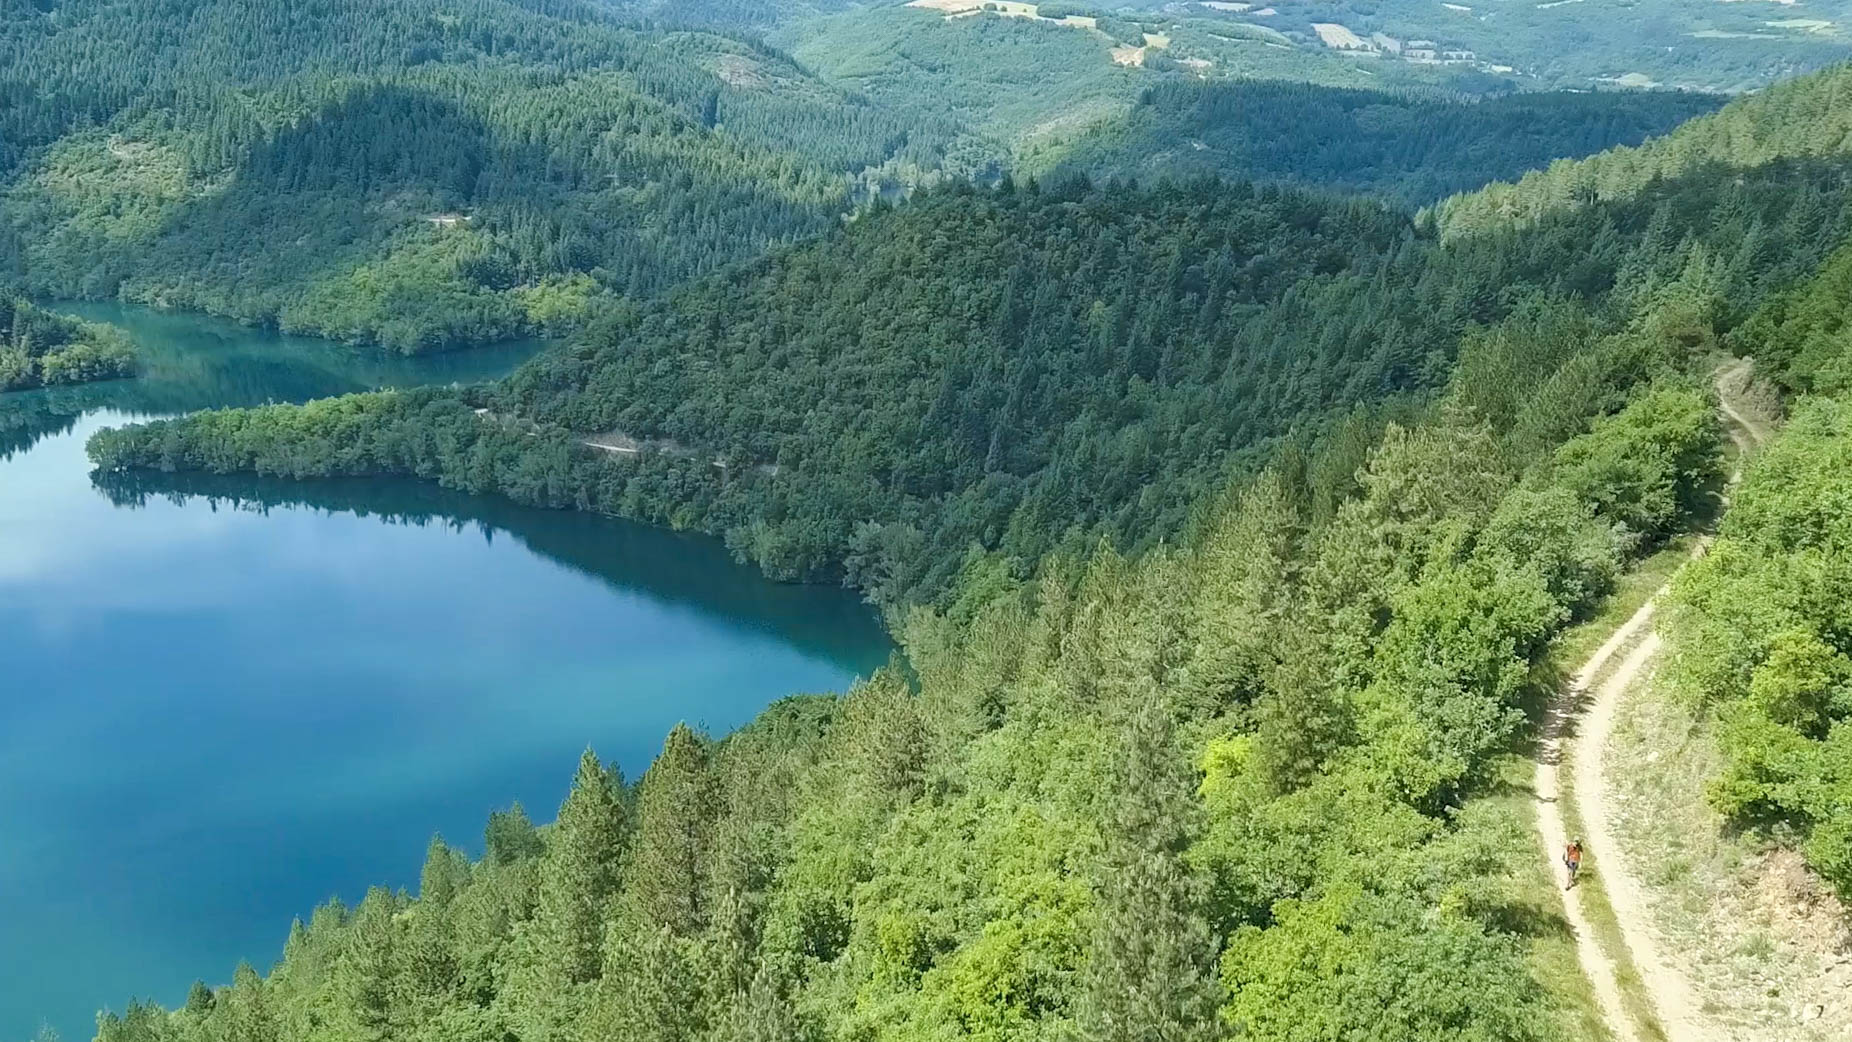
column 1005, row 8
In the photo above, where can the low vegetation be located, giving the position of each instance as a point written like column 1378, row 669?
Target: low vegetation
column 1758, row 936
column 1761, row 645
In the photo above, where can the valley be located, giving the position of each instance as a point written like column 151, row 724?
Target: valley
column 1150, row 523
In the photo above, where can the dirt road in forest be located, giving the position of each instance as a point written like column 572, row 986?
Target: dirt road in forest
column 1580, row 722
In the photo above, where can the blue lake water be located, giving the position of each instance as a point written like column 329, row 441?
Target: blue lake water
column 227, row 700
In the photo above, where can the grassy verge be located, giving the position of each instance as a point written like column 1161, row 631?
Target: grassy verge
column 1603, row 920
column 1535, row 907
column 1760, row 938
column 1555, row 962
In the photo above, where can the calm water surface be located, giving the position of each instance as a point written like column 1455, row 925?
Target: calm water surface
column 227, row 700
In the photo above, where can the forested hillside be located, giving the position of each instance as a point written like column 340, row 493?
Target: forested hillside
column 1803, row 121
column 1413, row 147
column 40, row 349
column 1009, row 372
column 397, row 173
column 1759, row 624
column 1263, row 507
column 1223, row 788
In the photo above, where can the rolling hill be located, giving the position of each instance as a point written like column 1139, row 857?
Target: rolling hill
column 404, row 173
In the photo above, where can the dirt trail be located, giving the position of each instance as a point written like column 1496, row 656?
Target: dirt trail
column 620, row 444
column 1672, row 997
column 1581, row 721
column 1553, row 834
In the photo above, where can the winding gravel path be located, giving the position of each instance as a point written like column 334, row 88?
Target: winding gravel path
column 1581, row 721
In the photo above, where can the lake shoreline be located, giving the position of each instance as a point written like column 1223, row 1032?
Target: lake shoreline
column 280, row 690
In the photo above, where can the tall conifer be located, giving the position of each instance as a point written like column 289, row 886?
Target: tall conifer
column 579, row 876
column 1149, row 971
column 675, row 814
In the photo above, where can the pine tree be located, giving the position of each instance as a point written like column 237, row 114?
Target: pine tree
column 511, row 837
column 244, row 1009
column 887, row 736
column 726, row 959
column 675, row 814
column 1302, row 718
column 1245, row 568
column 432, row 961
column 763, row 1013
column 483, row 921
column 653, row 992
column 364, row 984
column 297, row 943
column 1149, row 971
column 446, row 871
column 579, row 876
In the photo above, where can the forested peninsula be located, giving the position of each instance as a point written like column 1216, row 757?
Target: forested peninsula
column 999, row 374
column 40, row 349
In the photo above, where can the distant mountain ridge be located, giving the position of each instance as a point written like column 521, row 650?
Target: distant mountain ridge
column 1415, row 147
column 1805, row 119
column 423, row 176
column 407, row 173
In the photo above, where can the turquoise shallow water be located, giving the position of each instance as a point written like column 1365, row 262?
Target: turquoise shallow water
column 226, row 700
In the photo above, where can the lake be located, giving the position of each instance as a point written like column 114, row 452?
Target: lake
column 228, row 700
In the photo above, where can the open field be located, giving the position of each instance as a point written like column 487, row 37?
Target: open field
column 1338, row 37
column 1006, row 8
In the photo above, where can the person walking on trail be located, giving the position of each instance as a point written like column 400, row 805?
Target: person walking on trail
column 1572, row 860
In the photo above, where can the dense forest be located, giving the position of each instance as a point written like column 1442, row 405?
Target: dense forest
column 1802, row 120
column 1016, row 371
column 1229, row 786
column 378, row 172
column 1225, row 527
column 40, row 349
column 1415, row 148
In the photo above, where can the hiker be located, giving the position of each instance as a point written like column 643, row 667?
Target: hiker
column 1572, row 860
